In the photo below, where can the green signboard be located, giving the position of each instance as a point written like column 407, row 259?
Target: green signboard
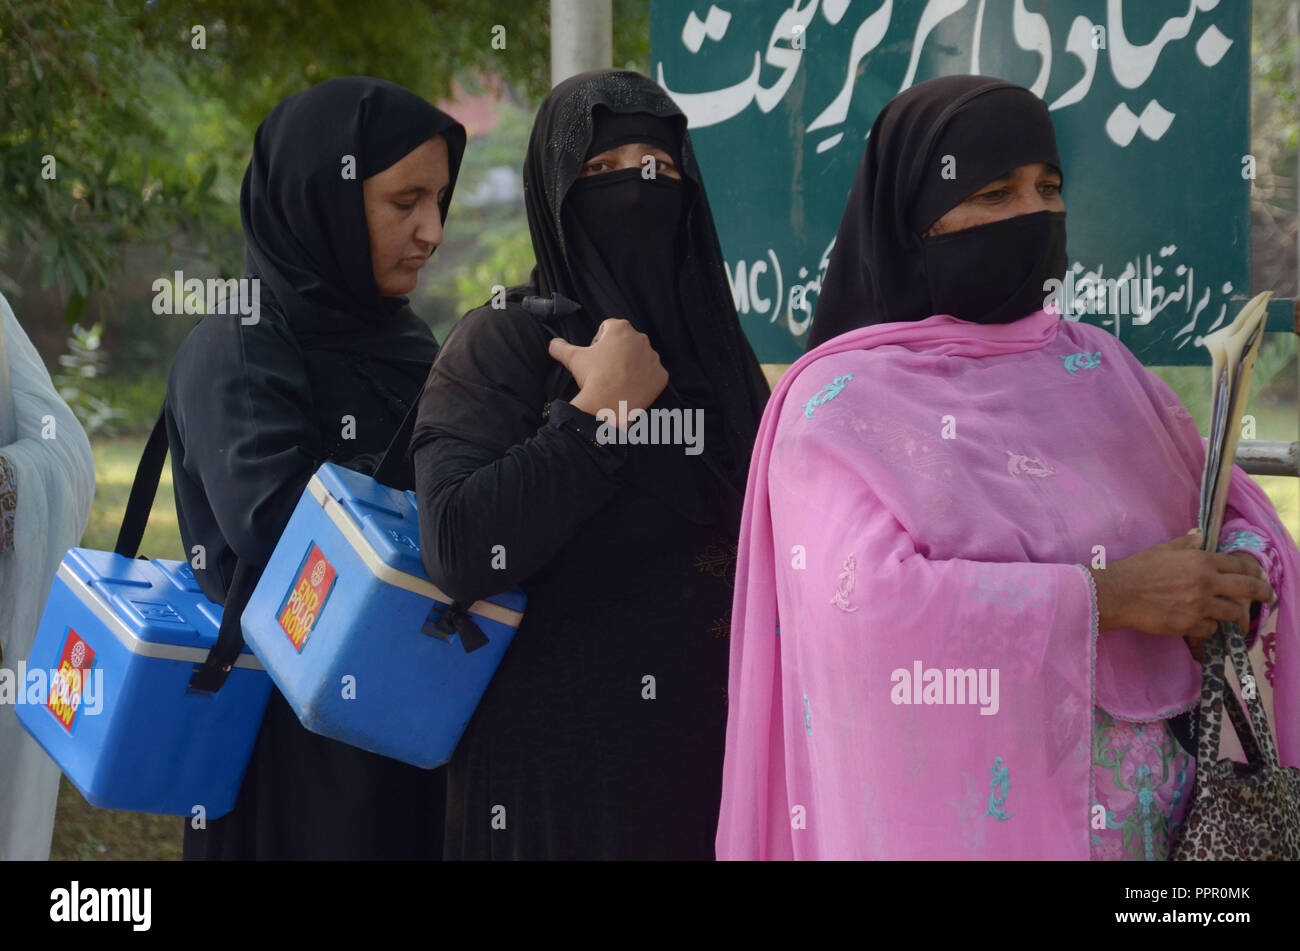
column 1150, row 99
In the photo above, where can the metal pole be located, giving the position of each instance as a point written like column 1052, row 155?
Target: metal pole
column 1269, row 457
column 582, row 37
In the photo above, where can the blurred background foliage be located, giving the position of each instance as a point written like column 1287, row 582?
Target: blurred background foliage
column 125, row 132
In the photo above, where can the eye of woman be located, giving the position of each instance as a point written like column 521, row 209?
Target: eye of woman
column 420, row 194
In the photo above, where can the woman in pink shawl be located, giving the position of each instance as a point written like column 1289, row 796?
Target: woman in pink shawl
column 965, row 592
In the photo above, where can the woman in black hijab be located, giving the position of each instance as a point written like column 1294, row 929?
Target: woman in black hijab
column 601, row 734
column 930, row 150
column 342, row 204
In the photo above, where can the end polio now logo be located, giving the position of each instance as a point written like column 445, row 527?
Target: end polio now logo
column 302, row 607
column 69, row 680
column 73, row 688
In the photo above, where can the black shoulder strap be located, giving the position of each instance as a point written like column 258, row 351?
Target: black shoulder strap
column 393, row 469
column 230, row 638
column 393, row 473
column 143, row 489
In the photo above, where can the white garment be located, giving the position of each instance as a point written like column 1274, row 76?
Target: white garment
column 55, row 480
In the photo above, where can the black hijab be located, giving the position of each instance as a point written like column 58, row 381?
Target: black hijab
column 326, row 343
column 653, row 260
column 304, row 222
column 930, row 148
column 691, row 317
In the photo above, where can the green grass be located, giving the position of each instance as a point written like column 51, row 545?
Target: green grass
column 84, row 833
column 116, row 459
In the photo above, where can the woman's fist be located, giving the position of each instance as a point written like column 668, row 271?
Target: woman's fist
column 619, row 365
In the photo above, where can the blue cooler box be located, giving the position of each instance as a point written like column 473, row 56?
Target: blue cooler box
column 353, row 632
column 117, row 645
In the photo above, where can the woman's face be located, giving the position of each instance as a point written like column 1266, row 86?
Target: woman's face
column 630, row 155
column 1028, row 189
column 403, row 216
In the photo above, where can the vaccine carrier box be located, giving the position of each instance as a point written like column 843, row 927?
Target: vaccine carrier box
column 106, row 689
column 361, row 643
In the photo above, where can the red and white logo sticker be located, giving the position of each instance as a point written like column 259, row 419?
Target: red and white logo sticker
column 306, row 599
column 66, row 686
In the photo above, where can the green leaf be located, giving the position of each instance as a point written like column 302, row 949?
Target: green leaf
column 209, row 175
column 75, row 308
column 76, row 273
column 110, row 160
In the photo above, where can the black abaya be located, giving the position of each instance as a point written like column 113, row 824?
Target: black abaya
column 601, row 734
column 254, row 409
column 588, row 757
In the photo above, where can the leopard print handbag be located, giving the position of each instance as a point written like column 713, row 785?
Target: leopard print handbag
column 1238, row 810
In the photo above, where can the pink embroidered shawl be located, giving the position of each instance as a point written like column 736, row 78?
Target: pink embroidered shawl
column 921, row 503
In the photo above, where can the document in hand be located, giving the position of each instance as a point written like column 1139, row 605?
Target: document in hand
column 1233, row 350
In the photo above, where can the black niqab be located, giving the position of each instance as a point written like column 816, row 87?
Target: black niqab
column 930, row 148
column 690, row 316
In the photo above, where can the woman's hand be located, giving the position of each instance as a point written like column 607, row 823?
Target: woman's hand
column 619, row 365
column 1176, row 590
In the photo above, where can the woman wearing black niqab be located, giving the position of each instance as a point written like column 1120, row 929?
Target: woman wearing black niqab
column 342, row 202
column 930, row 148
column 601, row 734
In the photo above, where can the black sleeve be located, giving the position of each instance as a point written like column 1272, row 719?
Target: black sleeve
column 488, row 471
column 241, row 405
